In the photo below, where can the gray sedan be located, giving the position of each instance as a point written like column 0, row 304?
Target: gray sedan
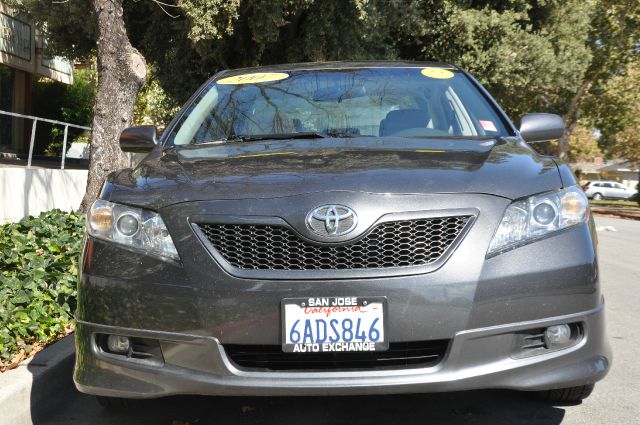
column 338, row 229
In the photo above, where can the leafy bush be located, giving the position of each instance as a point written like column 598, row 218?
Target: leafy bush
column 38, row 273
column 80, row 97
column 153, row 105
column 69, row 103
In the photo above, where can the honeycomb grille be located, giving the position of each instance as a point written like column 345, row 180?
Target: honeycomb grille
column 391, row 244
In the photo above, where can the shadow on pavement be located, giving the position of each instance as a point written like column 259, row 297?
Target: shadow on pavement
column 50, row 375
column 473, row 407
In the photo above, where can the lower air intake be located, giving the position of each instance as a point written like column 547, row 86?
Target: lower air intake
column 399, row 355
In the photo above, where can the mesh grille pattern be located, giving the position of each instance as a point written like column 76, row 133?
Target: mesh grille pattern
column 392, row 244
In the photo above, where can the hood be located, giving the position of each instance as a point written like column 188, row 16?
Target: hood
column 271, row 169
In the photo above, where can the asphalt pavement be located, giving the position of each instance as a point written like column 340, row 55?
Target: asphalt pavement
column 616, row 400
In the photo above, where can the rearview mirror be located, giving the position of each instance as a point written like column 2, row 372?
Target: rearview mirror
column 541, row 127
column 139, row 139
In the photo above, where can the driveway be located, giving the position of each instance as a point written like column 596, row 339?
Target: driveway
column 616, row 400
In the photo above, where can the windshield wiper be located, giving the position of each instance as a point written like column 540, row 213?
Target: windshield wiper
column 341, row 134
column 276, row 136
column 282, row 136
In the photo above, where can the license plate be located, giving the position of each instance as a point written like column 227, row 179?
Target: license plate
column 334, row 324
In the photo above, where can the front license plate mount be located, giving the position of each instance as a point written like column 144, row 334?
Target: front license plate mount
column 334, row 324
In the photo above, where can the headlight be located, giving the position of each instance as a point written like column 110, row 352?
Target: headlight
column 134, row 227
column 529, row 219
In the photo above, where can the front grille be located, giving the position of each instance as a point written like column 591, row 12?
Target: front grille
column 399, row 355
column 390, row 244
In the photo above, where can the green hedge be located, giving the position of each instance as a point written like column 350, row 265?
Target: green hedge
column 38, row 274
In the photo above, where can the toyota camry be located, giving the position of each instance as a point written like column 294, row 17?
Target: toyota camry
column 337, row 229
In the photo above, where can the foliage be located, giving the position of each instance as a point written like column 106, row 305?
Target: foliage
column 153, row 105
column 65, row 25
column 68, row 103
column 46, row 102
column 618, row 112
column 531, row 58
column 614, row 38
column 80, row 96
column 78, row 101
column 583, row 144
column 531, row 55
column 39, row 258
column 547, row 55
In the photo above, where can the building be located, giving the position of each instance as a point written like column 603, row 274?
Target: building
column 626, row 173
column 23, row 59
column 621, row 171
column 588, row 170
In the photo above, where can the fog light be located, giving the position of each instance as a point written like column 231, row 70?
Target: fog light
column 557, row 335
column 118, row 344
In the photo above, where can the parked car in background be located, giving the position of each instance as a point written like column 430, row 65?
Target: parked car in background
column 604, row 189
column 341, row 229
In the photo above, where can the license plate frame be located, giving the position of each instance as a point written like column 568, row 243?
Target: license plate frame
column 361, row 302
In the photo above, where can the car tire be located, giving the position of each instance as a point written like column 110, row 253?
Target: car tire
column 597, row 196
column 567, row 395
column 114, row 403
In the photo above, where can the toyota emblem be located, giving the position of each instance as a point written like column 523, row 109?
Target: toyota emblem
column 332, row 220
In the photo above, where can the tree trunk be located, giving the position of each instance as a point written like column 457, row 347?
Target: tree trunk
column 121, row 73
column 571, row 118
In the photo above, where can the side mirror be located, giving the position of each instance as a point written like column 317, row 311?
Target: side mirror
column 541, row 127
column 139, row 139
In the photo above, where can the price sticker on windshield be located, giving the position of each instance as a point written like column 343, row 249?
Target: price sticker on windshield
column 488, row 125
column 256, row 77
column 439, row 73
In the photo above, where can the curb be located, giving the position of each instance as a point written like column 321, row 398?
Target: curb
column 616, row 214
column 29, row 388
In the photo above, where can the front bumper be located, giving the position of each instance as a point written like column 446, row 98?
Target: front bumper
column 196, row 307
column 476, row 358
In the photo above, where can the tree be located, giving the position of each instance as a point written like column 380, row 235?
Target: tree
column 205, row 39
column 614, row 39
column 583, row 144
column 544, row 55
column 80, row 97
column 153, row 105
column 620, row 103
column 69, row 103
column 530, row 55
column 121, row 73
column 617, row 110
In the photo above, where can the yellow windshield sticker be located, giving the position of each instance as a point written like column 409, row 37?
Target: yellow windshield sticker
column 256, row 77
column 440, row 73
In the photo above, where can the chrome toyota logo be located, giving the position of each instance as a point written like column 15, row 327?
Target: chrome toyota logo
column 332, row 220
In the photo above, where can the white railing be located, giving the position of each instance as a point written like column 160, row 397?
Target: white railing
column 33, row 133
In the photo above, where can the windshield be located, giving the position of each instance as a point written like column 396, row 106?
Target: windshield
column 379, row 102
